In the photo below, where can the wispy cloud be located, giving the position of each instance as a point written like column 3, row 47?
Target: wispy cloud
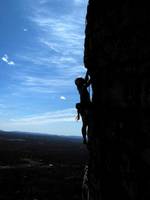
column 37, row 89
column 43, row 1
column 60, row 36
column 44, row 84
column 66, row 115
column 60, row 122
column 78, row 2
column 6, row 59
column 65, row 32
column 57, row 47
column 35, row 81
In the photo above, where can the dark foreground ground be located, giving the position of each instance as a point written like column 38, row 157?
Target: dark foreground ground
column 41, row 167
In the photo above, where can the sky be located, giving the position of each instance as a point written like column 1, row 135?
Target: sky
column 41, row 53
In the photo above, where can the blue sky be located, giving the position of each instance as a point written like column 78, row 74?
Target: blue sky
column 41, row 53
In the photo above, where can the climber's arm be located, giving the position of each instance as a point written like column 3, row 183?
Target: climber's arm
column 88, row 83
column 87, row 79
column 78, row 116
column 87, row 76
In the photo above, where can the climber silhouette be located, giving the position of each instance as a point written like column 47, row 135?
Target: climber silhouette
column 84, row 105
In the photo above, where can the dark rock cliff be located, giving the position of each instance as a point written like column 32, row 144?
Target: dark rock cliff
column 117, row 56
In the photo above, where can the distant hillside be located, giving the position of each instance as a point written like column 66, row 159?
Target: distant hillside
column 41, row 166
column 33, row 134
column 51, row 147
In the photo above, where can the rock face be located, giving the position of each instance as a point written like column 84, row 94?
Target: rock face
column 117, row 56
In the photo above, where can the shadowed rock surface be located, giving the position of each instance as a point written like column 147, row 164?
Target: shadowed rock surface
column 117, row 50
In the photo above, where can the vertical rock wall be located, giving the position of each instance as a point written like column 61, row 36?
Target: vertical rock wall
column 117, row 56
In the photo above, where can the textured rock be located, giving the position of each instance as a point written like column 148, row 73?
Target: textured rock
column 117, row 49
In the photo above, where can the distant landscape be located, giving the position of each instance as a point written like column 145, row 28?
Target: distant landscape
column 41, row 167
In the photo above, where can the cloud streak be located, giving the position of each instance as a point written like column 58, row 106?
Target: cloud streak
column 6, row 59
column 60, row 122
column 59, row 38
column 35, row 81
column 66, row 115
column 60, row 35
column 49, row 85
